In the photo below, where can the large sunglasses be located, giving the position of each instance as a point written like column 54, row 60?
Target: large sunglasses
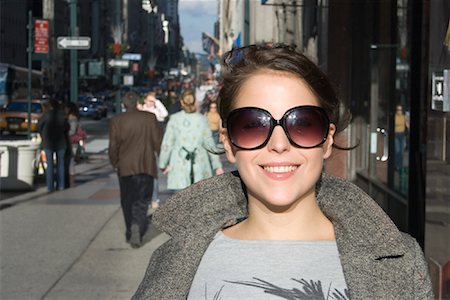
column 250, row 128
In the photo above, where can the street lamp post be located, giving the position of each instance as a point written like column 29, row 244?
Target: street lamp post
column 30, row 51
column 73, row 54
column 151, row 10
column 165, row 24
column 117, row 51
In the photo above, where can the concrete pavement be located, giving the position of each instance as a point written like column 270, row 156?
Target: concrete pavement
column 71, row 245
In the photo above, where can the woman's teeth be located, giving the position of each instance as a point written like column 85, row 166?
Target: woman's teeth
column 280, row 169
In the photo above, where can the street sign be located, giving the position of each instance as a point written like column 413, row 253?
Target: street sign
column 74, row 42
column 41, row 36
column 118, row 63
column 132, row 56
column 91, row 68
column 128, row 80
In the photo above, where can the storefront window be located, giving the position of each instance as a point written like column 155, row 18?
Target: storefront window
column 437, row 226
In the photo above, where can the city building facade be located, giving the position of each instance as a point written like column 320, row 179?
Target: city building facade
column 384, row 57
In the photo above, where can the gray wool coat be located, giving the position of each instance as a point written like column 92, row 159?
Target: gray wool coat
column 379, row 261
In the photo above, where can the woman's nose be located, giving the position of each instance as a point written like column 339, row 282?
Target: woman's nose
column 278, row 142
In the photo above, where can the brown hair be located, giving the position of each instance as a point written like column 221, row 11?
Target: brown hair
column 188, row 101
column 150, row 94
column 241, row 63
column 130, row 99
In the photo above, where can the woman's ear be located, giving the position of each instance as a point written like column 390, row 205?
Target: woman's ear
column 327, row 146
column 227, row 145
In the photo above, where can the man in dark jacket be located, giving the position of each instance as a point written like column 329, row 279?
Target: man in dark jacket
column 134, row 140
column 53, row 128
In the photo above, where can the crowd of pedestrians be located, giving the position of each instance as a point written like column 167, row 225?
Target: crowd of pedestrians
column 187, row 135
column 146, row 137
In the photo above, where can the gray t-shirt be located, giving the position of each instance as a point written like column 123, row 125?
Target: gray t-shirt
column 243, row 269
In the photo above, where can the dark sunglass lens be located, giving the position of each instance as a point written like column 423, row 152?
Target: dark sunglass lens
column 248, row 128
column 307, row 127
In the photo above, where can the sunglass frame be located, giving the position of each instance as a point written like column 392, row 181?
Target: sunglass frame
column 281, row 122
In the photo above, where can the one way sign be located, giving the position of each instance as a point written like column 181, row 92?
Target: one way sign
column 74, row 42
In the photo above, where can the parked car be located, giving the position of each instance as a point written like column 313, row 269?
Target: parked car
column 15, row 117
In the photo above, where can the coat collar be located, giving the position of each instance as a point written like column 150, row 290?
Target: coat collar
column 361, row 226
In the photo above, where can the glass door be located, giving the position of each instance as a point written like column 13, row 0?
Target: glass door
column 380, row 95
column 386, row 171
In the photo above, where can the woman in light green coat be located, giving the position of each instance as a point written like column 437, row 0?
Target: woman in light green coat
column 186, row 151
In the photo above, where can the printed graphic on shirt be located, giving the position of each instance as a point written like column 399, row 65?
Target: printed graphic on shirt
column 301, row 290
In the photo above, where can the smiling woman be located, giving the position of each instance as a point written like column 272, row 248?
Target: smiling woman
column 278, row 228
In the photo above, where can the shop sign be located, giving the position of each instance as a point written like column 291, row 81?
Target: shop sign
column 41, row 36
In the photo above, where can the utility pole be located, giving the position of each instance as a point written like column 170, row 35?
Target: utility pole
column 73, row 53
column 117, row 70
column 30, row 51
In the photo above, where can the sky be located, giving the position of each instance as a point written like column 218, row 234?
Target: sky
column 196, row 16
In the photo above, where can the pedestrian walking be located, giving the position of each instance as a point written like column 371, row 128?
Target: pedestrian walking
column 53, row 128
column 175, row 105
column 155, row 106
column 278, row 228
column 187, row 147
column 401, row 126
column 134, row 140
column 77, row 136
column 214, row 120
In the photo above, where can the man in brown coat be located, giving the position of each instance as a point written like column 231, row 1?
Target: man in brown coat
column 134, row 140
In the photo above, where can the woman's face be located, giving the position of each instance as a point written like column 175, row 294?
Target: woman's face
column 279, row 174
column 213, row 107
column 150, row 100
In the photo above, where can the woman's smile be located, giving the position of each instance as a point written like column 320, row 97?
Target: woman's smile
column 279, row 170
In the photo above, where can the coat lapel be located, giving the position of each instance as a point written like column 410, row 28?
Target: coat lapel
column 366, row 237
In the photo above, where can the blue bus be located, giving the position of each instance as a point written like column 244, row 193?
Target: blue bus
column 14, row 84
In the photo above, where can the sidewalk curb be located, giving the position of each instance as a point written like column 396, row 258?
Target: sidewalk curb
column 22, row 198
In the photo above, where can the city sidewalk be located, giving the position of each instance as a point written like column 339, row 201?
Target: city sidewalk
column 71, row 245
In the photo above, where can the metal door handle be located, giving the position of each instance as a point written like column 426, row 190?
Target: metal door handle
column 385, row 135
